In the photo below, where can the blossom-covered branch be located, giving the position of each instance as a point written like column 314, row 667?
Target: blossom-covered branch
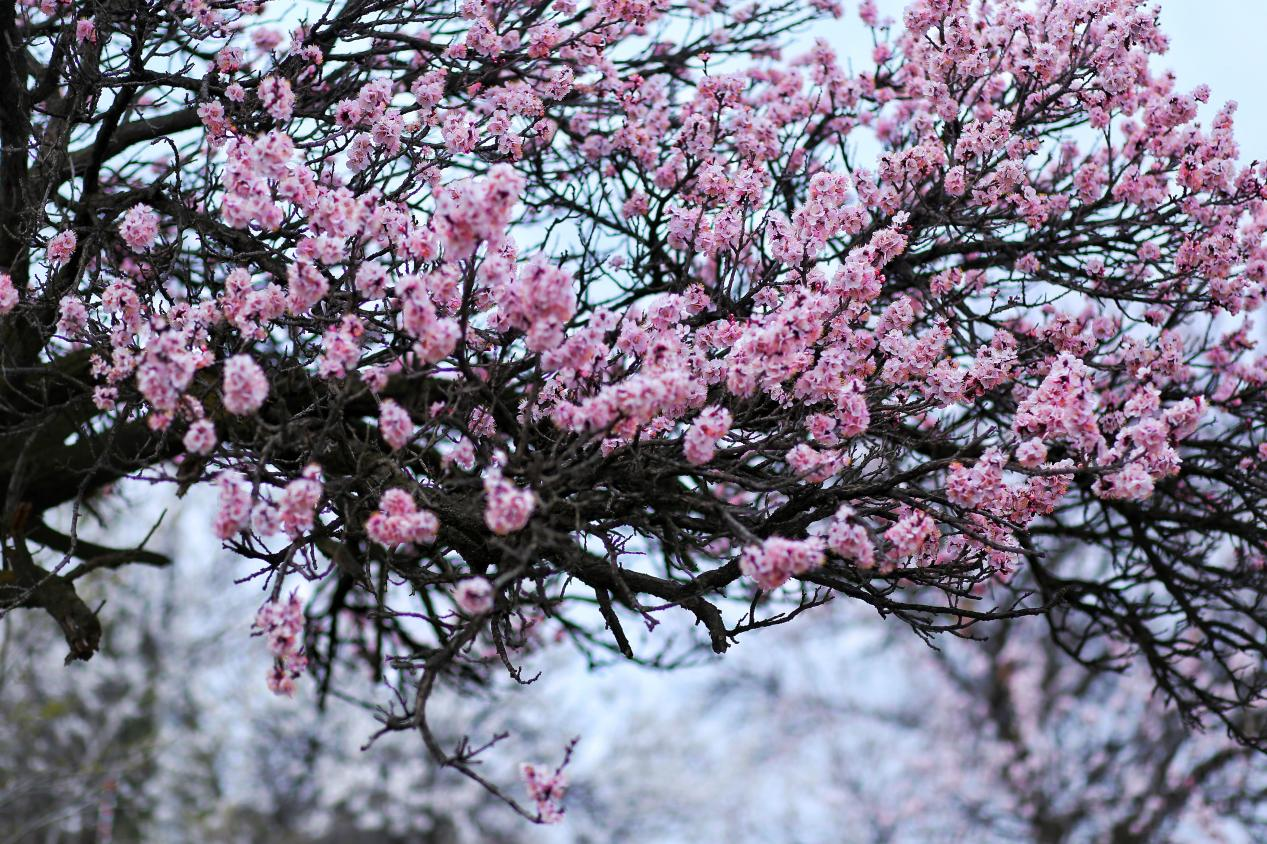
column 539, row 316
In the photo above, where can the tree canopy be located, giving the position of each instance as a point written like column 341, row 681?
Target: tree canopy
column 535, row 318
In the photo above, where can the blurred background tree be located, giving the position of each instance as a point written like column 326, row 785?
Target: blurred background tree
column 833, row 730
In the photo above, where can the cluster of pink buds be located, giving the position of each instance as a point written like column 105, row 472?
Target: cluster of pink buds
column 507, row 508
column 776, row 560
column 139, row 228
column 474, row 595
column 8, row 294
column 546, row 788
column 398, row 521
column 700, row 442
column 282, row 624
column 245, row 385
column 394, row 424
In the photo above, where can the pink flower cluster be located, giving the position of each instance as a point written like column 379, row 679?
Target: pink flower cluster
column 474, row 595
column 341, row 347
column 282, row 625
column 1031, row 453
column 257, row 174
column 663, row 391
column 139, row 228
column 8, row 294
column 234, row 512
column 166, row 369
column 1147, row 447
column 247, row 308
column 507, row 508
column 475, row 211
column 700, row 442
column 815, row 465
column 61, row 247
column 394, row 424
column 1063, row 408
column 245, row 385
column 399, row 521
column 848, row 539
column 436, row 335
column 72, row 317
column 277, row 97
column 982, row 484
column 201, row 437
column 546, row 789
column 913, row 534
column 776, row 560
column 297, row 506
column 537, row 299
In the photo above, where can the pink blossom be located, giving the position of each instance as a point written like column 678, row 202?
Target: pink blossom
column 776, row 560
column 282, row 625
column 398, row 520
column 296, row 509
column 341, row 347
column 72, row 316
column 474, row 595
column 1031, row 453
column 476, row 210
column 61, row 247
column 700, row 442
column 229, row 59
column 395, row 424
column 245, row 385
column 266, row 38
column 8, row 294
column 139, row 228
column 852, row 413
column 234, row 512
column 428, row 89
column 459, row 131
column 1132, row 483
column 201, row 437
column 436, row 336
column 166, row 370
column 277, row 97
column 463, row 455
column 306, row 285
column 979, row 485
column 1063, row 407
column 847, row 538
column 85, row 30
column 913, row 534
column 386, row 130
column 547, row 790
column 539, row 300
column 507, row 508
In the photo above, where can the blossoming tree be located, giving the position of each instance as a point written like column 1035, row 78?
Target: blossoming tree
column 599, row 314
